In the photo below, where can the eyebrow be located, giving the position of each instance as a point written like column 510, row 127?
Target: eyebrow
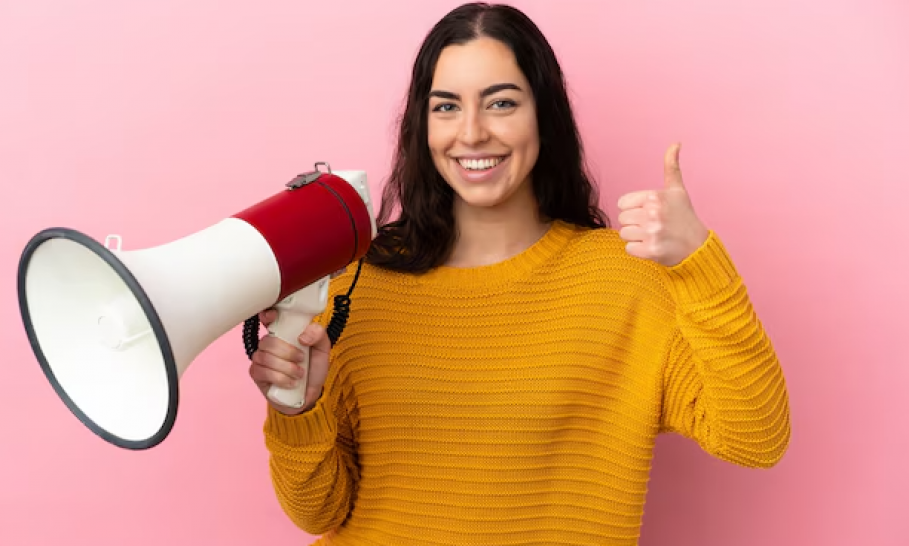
column 484, row 93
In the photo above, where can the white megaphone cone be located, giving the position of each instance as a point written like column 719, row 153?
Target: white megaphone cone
column 115, row 330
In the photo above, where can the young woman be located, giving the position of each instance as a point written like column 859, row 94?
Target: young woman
column 510, row 358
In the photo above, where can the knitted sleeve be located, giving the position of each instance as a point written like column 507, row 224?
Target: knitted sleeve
column 313, row 462
column 313, row 456
column 723, row 385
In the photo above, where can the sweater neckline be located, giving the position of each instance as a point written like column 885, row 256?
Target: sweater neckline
column 508, row 270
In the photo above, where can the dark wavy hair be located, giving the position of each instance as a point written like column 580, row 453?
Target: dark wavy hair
column 422, row 235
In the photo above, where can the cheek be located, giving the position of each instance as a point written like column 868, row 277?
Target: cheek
column 532, row 142
column 438, row 136
column 527, row 144
column 520, row 133
column 524, row 139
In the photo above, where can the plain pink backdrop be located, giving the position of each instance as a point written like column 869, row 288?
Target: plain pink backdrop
column 154, row 119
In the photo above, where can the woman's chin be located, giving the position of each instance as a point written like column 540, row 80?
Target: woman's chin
column 484, row 199
column 498, row 195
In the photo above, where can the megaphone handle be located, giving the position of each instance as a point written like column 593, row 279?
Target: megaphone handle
column 288, row 327
column 295, row 313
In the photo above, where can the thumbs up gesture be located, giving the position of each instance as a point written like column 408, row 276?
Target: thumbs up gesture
column 661, row 225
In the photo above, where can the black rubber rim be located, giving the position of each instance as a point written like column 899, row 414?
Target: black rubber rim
column 150, row 313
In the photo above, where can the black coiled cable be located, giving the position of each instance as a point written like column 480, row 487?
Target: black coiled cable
column 335, row 326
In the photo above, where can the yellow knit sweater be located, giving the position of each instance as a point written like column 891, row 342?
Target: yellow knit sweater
column 518, row 403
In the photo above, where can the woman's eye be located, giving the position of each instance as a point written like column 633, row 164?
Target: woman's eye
column 497, row 105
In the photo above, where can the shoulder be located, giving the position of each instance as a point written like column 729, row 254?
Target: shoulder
column 597, row 259
column 708, row 270
column 603, row 247
column 358, row 278
column 604, row 239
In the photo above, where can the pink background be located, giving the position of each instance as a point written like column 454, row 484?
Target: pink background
column 154, row 119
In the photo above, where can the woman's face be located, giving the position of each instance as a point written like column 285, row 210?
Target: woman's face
column 482, row 123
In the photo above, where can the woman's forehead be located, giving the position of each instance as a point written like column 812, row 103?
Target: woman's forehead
column 475, row 66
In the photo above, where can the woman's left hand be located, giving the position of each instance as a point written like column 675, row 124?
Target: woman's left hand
column 661, row 225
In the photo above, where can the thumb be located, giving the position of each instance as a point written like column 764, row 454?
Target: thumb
column 315, row 337
column 672, row 173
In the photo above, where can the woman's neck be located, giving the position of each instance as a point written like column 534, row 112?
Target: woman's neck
column 489, row 235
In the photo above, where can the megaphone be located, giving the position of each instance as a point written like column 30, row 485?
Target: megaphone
column 114, row 330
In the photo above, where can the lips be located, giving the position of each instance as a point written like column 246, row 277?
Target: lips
column 480, row 164
column 477, row 170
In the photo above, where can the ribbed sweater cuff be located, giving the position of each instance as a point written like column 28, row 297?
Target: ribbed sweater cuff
column 310, row 427
column 704, row 273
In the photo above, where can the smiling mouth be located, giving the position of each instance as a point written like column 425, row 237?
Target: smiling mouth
column 483, row 164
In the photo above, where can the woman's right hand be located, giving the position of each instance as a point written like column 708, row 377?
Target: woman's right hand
column 277, row 362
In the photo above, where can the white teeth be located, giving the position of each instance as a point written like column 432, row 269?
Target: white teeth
column 480, row 164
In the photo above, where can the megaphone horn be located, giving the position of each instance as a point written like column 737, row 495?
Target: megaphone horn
column 114, row 331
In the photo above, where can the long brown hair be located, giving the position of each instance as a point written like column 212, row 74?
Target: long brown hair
column 422, row 235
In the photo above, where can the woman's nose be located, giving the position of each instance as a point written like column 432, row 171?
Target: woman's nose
column 473, row 129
